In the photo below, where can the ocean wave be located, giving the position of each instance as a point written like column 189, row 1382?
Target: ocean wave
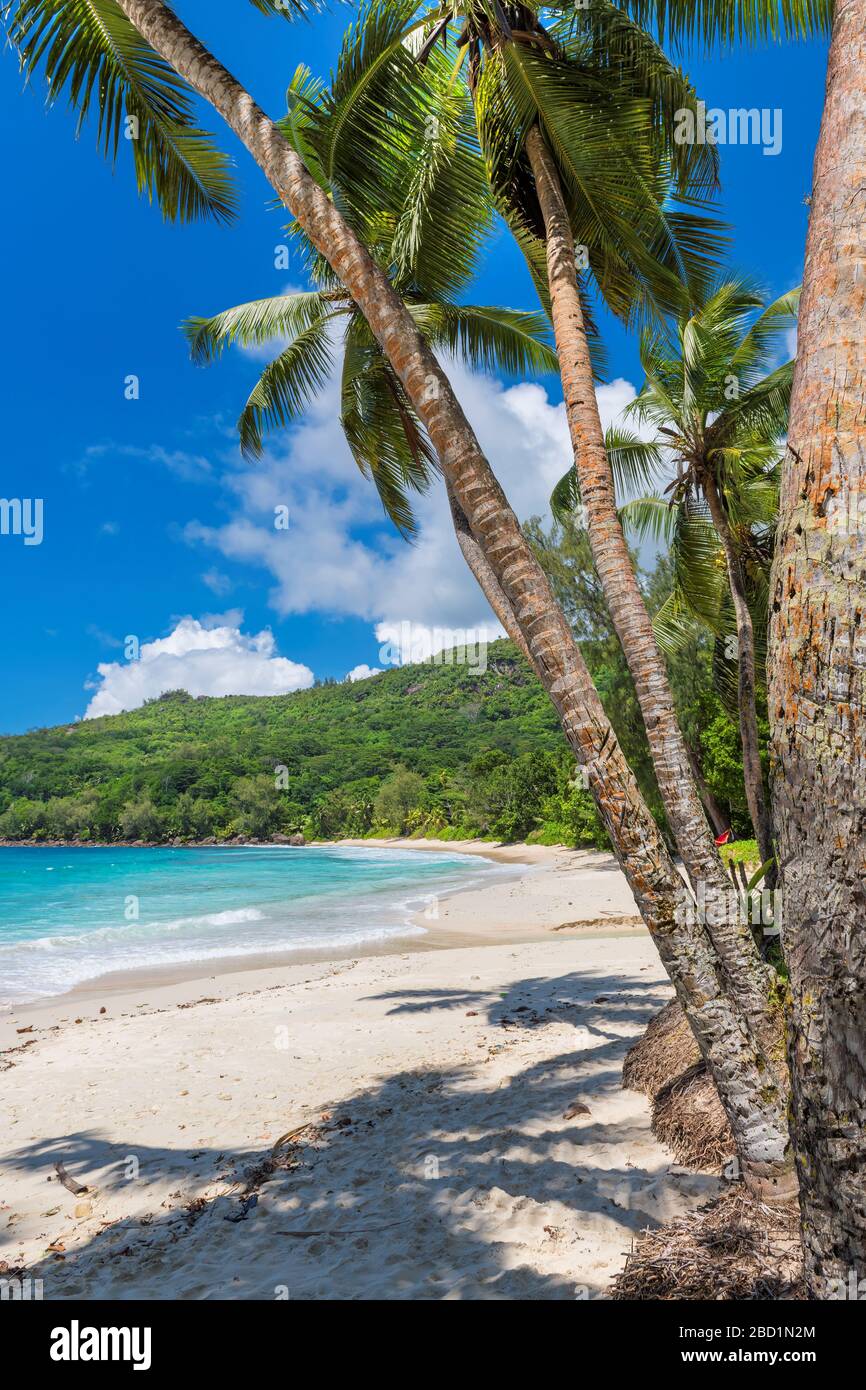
column 310, row 901
column 231, row 917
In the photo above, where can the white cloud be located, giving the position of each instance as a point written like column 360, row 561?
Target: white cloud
column 340, row 556
column 216, row 581
column 203, row 658
column 362, row 672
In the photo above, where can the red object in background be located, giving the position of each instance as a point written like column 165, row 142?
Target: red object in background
column 725, row 838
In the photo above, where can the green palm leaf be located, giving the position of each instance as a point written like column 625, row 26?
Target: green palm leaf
column 90, row 50
column 384, row 435
column 490, row 338
column 635, row 462
column 565, row 500
column 286, row 385
column 257, row 323
column 728, row 20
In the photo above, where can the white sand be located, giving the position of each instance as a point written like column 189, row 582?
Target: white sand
column 439, row 1162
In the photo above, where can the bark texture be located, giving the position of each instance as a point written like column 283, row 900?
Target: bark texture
column 746, row 973
column 749, row 1090
column 484, row 576
column 818, row 684
column 746, row 680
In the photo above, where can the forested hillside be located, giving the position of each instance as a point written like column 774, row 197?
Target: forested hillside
column 428, row 749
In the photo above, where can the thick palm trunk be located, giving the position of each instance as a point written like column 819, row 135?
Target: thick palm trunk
column 746, row 678
column 750, row 1093
column 818, row 684
column 732, row 937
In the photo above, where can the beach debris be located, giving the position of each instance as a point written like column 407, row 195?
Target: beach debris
column 732, row 1248
column 247, row 1204
column 292, row 1134
column 28, row 1029
column 577, row 1108
column 76, row 1188
column 687, row 1115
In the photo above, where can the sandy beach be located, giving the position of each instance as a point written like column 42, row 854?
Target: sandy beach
column 418, row 1123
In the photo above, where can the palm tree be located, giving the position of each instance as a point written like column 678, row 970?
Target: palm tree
column 435, row 201
column 576, row 125
column 753, row 1099
column 718, row 417
column 817, row 685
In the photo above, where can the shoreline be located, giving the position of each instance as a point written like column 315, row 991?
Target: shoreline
column 551, row 890
column 507, row 851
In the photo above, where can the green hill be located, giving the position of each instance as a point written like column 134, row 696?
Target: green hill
column 431, row 749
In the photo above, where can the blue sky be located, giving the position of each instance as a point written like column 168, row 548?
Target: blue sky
column 149, row 515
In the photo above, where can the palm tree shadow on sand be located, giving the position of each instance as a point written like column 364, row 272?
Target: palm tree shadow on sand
column 430, row 1184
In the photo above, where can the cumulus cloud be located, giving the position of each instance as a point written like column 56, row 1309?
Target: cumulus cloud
column 204, row 658
column 340, row 556
column 362, row 672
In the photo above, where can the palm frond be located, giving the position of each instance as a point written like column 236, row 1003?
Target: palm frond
column 447, row 210
column 635, row 462
column 90, row 51
column 384, row 434
column 489, row 338
column 729, row 21
column 286, row 386
column 565, row 500
column 649, row 518
column 255, row 324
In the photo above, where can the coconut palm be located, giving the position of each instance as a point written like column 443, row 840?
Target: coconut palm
column 716, row 415
column 753, row 1099
column 438, row 198
column 817, row 684
column 577, row 121
column 817, row 687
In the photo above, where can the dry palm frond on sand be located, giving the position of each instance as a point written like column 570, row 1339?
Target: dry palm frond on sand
column 687, row 1114
column 732, row 1248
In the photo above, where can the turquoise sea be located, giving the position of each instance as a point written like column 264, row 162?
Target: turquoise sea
column 71, row 915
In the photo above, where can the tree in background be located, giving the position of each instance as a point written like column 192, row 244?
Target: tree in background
column 716, row 411
column 402, row 794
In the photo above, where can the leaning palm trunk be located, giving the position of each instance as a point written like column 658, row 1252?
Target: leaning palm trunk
column 746, row 677
column 817, row 691
column 753, row 1099
column 731, row 935
column 484, row 576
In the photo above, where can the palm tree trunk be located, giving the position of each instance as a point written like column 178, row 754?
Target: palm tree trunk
column 486, row 579
column 731, row 935
column 747, row 676
column 817, row 694
column 719, row 821
column 753, row 1099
